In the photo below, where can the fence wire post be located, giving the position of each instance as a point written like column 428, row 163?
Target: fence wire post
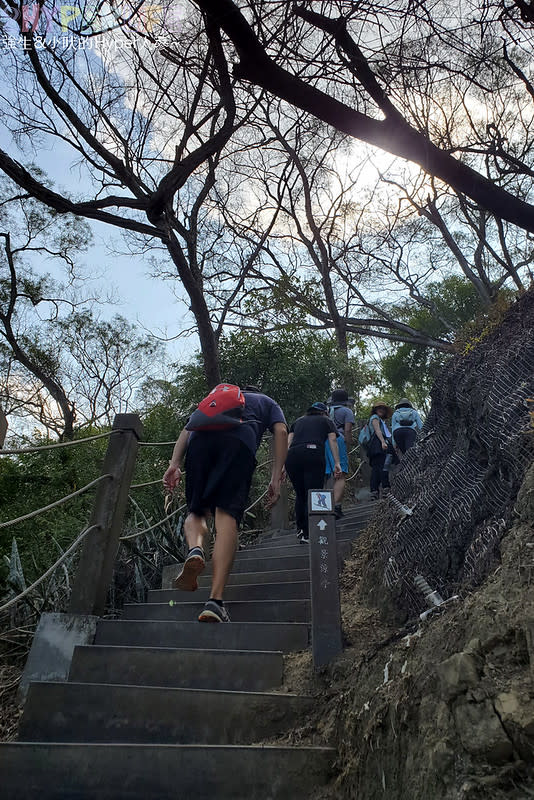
column 97, row 558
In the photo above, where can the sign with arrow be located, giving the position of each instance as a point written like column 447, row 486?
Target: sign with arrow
column 326, row 612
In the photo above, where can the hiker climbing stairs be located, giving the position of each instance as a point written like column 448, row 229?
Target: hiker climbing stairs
column 161, row 706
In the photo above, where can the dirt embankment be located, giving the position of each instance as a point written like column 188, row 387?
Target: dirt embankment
column 439, row 710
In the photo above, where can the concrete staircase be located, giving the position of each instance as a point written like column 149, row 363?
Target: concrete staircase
column 161, row 706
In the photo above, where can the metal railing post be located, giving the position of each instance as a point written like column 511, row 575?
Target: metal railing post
column 97, row 558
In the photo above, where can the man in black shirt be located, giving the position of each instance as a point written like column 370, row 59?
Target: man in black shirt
column 218, row 471
column 305, row 463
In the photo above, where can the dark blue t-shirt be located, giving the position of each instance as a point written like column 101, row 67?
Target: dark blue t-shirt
column 260, row 413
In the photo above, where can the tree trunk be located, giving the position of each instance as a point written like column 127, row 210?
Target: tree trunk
column 193, row 286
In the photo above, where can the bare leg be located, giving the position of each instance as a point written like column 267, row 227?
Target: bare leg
column 339, row 490
column 195, row 528
column 223, row 552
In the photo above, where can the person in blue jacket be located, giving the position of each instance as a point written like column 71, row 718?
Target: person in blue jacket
column 405, row 423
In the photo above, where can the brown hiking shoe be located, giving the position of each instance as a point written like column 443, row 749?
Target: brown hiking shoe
column 194, row 564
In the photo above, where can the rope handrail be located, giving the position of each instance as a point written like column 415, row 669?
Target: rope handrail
column 255, row 503
column 156, row 525
column 353, row 476
column 55, row 503
column 16, row 451
column 49, row 571
column 156, row 444
column 148, row 483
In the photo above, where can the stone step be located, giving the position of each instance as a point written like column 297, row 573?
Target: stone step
column 240, row 578
column 353, row 526
column 260, row 563
column 292, row 548
column 359, row 513
column 261, row 570
column 360, row 517
column 259, row 591
column 240, row 611
column 229, row 670
column 285, row 636
column 92, row 712
column 346, row 530
column 300, row 561
column 356, row 525
column 161, row 772
column 253, row 573
column 279, row 550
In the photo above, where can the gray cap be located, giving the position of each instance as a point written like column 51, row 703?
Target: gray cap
column 403, row 403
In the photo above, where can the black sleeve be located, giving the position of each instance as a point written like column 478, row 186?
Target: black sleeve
column 330, row 426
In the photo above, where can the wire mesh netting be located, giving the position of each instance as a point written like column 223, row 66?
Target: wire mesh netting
column 462, row 477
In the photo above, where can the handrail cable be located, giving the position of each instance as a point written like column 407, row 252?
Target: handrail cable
column 55, row 503
column 18, row 450
column 255, row 503
column 156, row 444
column 147, row 530
column 48, row 572
column 353, row 476
column 149, row 483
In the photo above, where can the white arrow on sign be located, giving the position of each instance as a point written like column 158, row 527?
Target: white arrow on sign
column 321, row 524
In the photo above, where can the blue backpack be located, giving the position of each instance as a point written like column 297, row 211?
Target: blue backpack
column 367, row 433
column 364, row 437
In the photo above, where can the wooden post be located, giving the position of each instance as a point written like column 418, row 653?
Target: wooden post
column 280, row 510
column 99, row 550
column 325, row 605
column 3, row 428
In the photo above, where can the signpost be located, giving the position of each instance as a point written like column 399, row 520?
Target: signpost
column 325, row 606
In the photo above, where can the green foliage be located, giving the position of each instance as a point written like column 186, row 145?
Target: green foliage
column 273, row 303
column 295, row 368
column 410, row 371
column 484, row 323
column 33, row 480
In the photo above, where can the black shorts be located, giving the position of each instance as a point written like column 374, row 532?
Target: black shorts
column 218, row 473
